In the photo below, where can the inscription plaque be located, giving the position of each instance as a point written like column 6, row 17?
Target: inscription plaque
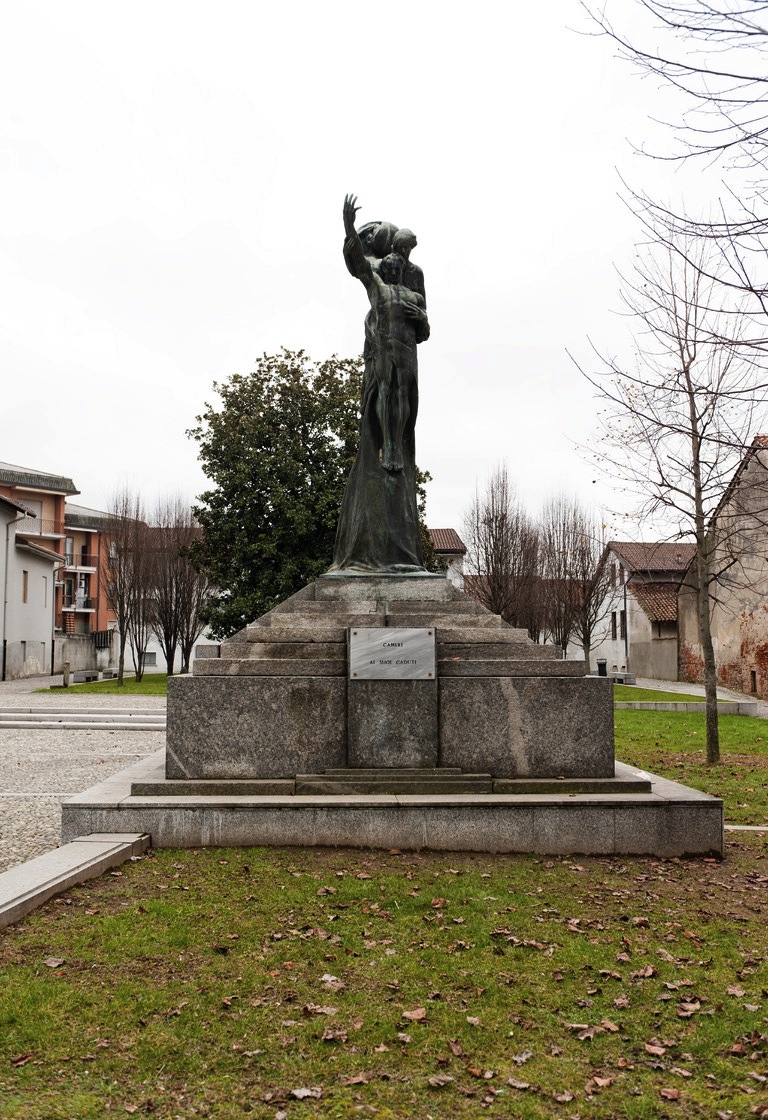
column 386, row 653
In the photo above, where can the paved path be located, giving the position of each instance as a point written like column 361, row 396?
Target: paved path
column 41, row 768
column 698, row 690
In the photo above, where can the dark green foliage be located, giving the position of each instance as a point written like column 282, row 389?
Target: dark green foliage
column 277, row 451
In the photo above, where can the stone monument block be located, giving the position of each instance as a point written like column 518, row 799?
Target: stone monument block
column 392, row 723
column 548, row 727
column 254, row 727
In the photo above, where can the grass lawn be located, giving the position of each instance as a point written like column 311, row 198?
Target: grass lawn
column 152, row 684
column 342, row 984
column 672, row 744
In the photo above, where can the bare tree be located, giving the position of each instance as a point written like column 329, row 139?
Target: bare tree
column 677, row 423
column 128, row 577
column 502, row 551
column 574, row 578
column 711, row 55
column 181, row 589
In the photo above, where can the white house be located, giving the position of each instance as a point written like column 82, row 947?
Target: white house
column 27, row 595
column 638, row 634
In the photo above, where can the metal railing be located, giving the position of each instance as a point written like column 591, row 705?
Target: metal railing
column 84, row 560
column 39, row 527
column 74, row 602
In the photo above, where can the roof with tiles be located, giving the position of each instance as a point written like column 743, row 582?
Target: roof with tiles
column 81, row 517
column 658, row 600
column 447, row 540
column 12, row 475
column 659, row 556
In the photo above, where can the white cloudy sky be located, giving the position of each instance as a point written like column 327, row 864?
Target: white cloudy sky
column 172, row 176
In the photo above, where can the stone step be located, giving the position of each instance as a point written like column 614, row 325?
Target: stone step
column 393, row 779
column 331, row 787
column 81, row 719
column 509, row 667
column 258, row 650
column 307, row 630
column 271, row 667
column 413, row 781
column 334, row 619
column 75, row 725
column 80, row 710
column 425, row 588
column 506, row 634
column 386, row 772
column 491, row 651
column 560, row 787
column 312, row 608
column 443, row 619
column 465, row 606
column 213, row 787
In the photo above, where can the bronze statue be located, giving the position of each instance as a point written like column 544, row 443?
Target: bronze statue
column 378, row 527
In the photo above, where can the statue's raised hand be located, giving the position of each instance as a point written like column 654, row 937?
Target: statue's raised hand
column 350, row 209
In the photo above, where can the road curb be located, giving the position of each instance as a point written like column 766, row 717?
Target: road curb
column 32, row 883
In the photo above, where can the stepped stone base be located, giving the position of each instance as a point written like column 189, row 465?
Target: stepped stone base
column 666, row 820
column 277, row 700
column 507, row 750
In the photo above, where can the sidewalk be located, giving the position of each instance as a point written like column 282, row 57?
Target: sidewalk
column 698, row 690
column 40, row 768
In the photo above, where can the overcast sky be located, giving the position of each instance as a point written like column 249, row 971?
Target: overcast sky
column 172, row 178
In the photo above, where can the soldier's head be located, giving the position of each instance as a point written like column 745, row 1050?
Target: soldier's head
column 403, row 242
column 391, row 268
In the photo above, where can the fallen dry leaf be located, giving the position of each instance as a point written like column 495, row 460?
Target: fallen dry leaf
column 334, row 1034
column 515, row 1084
column 418, row 1015
column 53, row 962
column 303, row 1094
column 438, row 1080
column 332, row 983
column 669, row 1094
column 657, row 1051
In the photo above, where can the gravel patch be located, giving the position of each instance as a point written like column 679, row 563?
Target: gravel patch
column 40, row 768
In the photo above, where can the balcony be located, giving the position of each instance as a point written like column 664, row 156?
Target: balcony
column 82, row 563
column 39, row 527
column 76, row 603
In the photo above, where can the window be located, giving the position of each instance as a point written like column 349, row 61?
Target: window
column 623, row 625
column 45, row 591
column 613, row 575
column 25, row 587
column 613, row 626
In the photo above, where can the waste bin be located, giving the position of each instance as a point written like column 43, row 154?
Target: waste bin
column 602, row 667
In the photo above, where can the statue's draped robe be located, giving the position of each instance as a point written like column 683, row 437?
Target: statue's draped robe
column 378, row 528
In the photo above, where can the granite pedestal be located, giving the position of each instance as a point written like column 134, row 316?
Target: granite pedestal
column 508, row 749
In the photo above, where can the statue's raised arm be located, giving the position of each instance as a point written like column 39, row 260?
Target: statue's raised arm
column 354, row 254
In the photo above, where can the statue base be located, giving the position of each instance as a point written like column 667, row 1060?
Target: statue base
column 508, row 750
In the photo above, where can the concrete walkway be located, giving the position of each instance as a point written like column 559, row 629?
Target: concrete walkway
column 698, row 690
column 40, row 768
